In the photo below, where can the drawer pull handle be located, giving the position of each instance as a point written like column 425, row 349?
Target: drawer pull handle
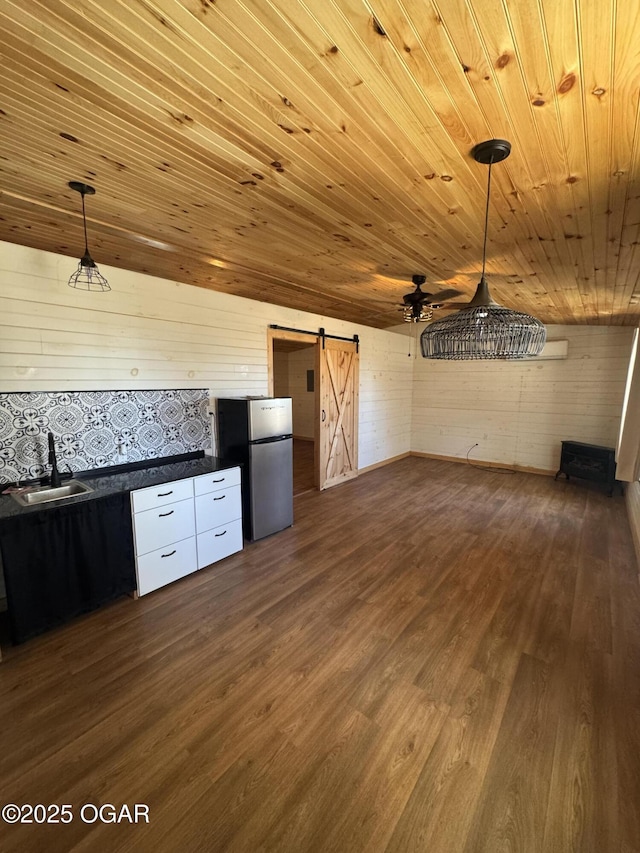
column 162, row 514
column 220, row 534
column 170, row 554
column 164, row 494
column 221, row 480
column 221, row 498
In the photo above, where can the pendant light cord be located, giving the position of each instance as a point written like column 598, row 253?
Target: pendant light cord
column 486, row 219
column 84, row 222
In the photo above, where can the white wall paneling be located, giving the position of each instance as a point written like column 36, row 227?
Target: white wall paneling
column 155, row 333
column 519, row 412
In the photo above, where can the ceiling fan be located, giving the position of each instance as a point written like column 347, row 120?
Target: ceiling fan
column 417, row 306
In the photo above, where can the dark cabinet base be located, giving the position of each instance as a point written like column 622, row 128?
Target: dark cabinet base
column 589, row 462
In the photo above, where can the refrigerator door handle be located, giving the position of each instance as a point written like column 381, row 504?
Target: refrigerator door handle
column 271, row 440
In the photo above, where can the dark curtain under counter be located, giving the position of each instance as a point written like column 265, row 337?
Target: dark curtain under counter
column 64, row 561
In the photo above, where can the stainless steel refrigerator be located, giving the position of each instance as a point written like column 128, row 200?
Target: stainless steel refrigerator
column 257, row 432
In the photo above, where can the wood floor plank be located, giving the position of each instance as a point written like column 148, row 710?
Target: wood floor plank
column 578, row 817
column 439, row 812
column 434, row 658
column 498, row 653
column 512, row 809
column 409, row 723
column 305, row 818
column 303, row 465
column 626, row 719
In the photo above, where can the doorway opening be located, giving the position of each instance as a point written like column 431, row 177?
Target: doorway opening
column 294, row 375
column 321, row 375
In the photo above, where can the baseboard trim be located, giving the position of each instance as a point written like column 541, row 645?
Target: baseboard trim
column 524, row 469
column 383, row 463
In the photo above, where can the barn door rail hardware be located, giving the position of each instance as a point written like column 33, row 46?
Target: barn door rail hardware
column 319, row 334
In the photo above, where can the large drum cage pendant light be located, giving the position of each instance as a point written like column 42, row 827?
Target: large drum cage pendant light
column 484, row 329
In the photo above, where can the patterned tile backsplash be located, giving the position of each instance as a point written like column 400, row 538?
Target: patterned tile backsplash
column 94, row 429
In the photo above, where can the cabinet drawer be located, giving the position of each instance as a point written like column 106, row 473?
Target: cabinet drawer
column 166, row 565
column 218, row 508
column 156, row 528
column 219, row 543
column 213, row 482
column 167, row 493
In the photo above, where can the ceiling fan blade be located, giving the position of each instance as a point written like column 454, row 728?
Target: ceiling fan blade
column 442, row 295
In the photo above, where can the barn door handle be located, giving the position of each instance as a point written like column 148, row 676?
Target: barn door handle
column 324, row 416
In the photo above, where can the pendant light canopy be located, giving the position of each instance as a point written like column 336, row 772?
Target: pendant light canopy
column 484, row 329
column 87, row 276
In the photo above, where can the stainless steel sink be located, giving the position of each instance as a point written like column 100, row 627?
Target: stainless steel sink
column 44, row 494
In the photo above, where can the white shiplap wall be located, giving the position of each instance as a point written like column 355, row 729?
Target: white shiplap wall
column 519, row 412
column 154, row 333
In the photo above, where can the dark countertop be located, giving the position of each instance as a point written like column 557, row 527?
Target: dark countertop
column 124, row 481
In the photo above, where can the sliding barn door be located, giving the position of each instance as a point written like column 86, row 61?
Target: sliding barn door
column 338, row 417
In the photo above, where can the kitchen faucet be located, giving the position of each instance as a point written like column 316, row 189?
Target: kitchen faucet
column 54, row 478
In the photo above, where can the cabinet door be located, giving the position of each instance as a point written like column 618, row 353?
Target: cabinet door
column 217, row 508
column 214, row 545
column 165, row 565
column 156, row 528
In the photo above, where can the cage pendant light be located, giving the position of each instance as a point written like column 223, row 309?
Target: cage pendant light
column 484, row 329
column 87, row 276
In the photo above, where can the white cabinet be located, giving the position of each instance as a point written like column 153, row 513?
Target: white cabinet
column 185, row 525
column 156, row 496
column 219, row 542
column 217, row 508
column 214, row 482
column 158, row 568
column 218, row 516
column 164, row 525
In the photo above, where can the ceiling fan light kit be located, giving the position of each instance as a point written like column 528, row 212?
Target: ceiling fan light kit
column 87, row 276
column 420, row 315
column 417, row 313
column 484, row 329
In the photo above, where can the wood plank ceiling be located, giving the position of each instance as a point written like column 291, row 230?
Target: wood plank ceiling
column 317, row 154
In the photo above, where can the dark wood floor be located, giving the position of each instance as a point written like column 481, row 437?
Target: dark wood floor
column 434, row 658
column 303, row 466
